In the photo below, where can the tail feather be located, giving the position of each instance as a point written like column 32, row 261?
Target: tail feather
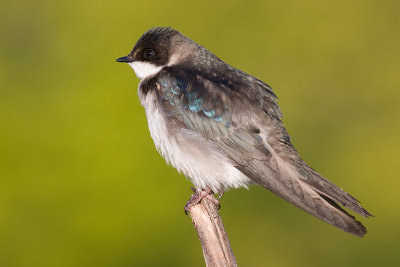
column 285, row 183
column 330, row 190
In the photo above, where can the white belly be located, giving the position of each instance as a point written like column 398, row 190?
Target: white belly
column 191, row 154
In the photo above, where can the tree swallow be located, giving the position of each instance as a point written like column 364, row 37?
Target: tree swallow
column 222, row 128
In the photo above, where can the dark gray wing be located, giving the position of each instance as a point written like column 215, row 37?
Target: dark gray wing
column 240, row 115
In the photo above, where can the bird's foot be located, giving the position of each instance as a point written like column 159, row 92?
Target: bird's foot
column 198, row 196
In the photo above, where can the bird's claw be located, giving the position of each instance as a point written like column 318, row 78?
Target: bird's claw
column 198, row 196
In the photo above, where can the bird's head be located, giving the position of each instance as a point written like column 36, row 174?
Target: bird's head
column 157, row 48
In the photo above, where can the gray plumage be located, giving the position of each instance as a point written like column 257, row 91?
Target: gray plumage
column 222, row 127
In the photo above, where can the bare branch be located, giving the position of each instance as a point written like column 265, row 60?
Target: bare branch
column 214, row 240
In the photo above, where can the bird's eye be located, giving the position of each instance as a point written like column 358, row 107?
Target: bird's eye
column 148, row 53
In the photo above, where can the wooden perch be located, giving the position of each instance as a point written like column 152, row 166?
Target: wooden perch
column 214, row 241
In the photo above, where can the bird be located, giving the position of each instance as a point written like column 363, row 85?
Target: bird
column 222, row 128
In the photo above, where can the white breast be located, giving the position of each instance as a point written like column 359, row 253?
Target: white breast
column 190, row 153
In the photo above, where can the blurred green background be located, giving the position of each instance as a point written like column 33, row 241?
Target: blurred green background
column 81, row 183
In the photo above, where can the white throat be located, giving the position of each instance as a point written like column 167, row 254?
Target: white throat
column 145, row 69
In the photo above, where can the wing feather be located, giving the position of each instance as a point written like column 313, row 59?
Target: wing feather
column 243, row 120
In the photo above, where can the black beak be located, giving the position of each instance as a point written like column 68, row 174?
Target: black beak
column 126, row 59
